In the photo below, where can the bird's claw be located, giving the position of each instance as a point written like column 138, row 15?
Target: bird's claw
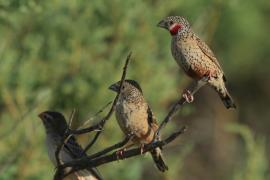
column 119, row 153
column 187, row 95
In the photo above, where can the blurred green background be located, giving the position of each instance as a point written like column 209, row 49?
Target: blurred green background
column 63, row 54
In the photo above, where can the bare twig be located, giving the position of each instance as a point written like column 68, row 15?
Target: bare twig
column 178, row 105
column 102, row 109
column 103, row 121
column 95, row 115
column 100, row 124
column 99, row 154
column 109, row 149
column 87, row 162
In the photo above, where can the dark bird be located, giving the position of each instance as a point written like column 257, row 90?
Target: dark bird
column 55, row 126
column 135, row 117
column 195, row 57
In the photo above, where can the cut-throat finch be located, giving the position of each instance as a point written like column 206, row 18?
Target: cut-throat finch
column 195, row 57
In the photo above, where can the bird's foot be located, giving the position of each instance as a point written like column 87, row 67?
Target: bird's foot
column 119, row 153
column 187, row 95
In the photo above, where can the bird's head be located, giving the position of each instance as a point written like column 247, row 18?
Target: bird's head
column 130, row 88
column 174, row 24
column 54, row 121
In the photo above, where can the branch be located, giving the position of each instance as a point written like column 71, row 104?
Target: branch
column 99, row 125
column 95, row 115
column 98, row 154
column 179, row 104
column 103, row 121
column 109, row 149
column 88, row 162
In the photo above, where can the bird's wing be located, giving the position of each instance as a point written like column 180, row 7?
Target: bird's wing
column 152, row 121
column 208, row 52
column 76, row 151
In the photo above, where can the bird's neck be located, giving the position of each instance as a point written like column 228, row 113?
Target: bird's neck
column 183, row 35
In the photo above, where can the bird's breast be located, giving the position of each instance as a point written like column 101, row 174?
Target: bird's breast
column 52, row 141
column 132, row 118
column 124, row 114
column 190, row 57
column 177, row 52
column 51, row 147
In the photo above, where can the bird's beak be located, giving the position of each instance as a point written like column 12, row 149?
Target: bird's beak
column 162, row 24
column 41, row 116
column 114, row 87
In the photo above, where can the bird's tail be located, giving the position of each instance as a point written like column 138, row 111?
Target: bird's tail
column 157, row 157
column 226, row 98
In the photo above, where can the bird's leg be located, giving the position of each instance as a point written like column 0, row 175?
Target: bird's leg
column 187, row 95
column 200, row 84
column 142, row 146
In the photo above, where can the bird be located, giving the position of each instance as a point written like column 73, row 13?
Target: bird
column 195, row 57
column 135, row 118
column 55, row 127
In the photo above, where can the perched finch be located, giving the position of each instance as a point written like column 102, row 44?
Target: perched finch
column 135, row 118
column 55, row 126
column 195, row 57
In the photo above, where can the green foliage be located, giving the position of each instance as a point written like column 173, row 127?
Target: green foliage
column 63, row 54
column 255, row 165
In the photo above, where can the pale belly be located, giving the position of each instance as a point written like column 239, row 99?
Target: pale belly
column 51, row 145
column 65, row 157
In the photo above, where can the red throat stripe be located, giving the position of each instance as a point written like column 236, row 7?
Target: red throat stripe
column 174, row 28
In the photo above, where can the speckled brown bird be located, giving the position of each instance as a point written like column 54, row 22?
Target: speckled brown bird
column 55, row 126
column 195, row 57
column 135, row 117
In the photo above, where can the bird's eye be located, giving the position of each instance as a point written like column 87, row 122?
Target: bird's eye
column 123, row 87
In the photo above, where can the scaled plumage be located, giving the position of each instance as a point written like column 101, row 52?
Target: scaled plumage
column 135, row 117
column 195, row 57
